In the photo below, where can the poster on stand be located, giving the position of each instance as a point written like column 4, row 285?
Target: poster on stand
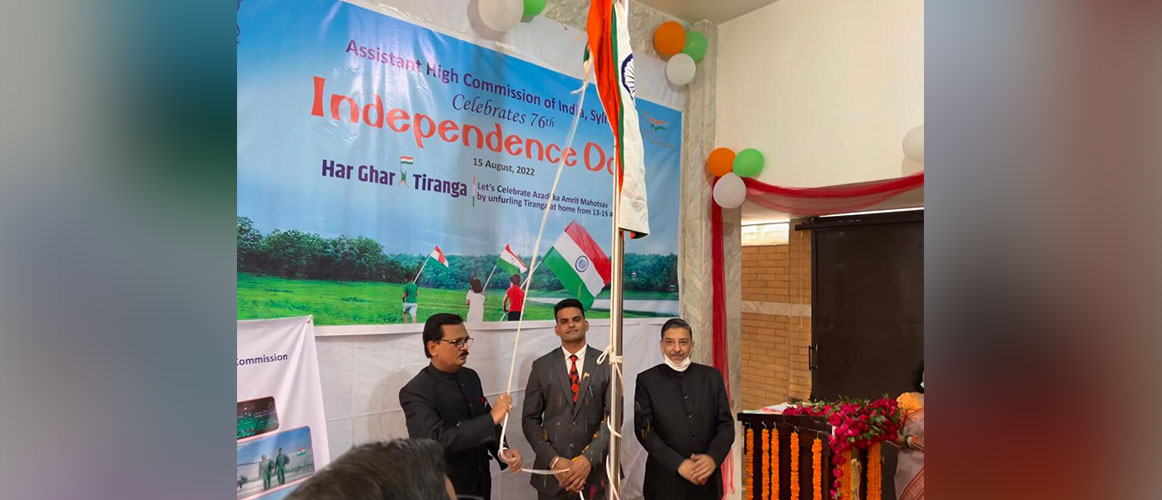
column 282, row 430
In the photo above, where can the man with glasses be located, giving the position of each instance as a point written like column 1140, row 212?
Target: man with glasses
column 445, row 402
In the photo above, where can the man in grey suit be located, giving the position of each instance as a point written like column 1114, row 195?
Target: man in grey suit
column 565, row 410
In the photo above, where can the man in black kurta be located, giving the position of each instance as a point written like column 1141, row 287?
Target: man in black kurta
column 445, row 402
column 682, row 418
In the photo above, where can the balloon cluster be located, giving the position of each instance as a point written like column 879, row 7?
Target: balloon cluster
column 730, row 168
column 684, row 48
column 503, row 15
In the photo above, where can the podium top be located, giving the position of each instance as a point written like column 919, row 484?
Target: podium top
column 755, row 419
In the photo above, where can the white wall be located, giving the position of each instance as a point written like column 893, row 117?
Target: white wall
column 825, row 89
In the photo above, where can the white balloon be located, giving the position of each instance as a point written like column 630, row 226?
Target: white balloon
column 680, row 69
column 729, row 191
column 909, row 167
column 501, row 15
column 914, row 144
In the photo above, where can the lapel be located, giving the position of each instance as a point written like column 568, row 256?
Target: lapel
column 591, row 370
column 561, row 376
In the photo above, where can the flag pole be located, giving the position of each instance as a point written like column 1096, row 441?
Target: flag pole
column 421, row 271
column 489, row 278
column 615, row 330
column 616, row 388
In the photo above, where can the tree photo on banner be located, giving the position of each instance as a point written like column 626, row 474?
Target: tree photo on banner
column 365, row 141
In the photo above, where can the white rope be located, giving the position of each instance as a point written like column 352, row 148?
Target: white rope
column 615, row 365
column 537, row 247
column 543, row 472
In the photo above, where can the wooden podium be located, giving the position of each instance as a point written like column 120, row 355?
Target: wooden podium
column 779, row 477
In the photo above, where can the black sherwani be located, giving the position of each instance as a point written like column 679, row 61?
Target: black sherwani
column 677, row 414
column 451, row 409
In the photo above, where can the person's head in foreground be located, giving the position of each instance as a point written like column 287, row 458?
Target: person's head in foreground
column 403, row 469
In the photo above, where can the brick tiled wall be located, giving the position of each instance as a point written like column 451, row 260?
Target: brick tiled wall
column 776, row 321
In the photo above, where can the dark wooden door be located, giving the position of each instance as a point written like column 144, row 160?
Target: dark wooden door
column 867, row 311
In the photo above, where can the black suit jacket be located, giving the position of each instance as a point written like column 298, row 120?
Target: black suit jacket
column 555, row 426
column 677, row 414
column 451, row 409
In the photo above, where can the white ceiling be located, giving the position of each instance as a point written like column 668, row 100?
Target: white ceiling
column 715, row 11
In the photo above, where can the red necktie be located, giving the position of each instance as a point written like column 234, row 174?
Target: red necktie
column 573, row 378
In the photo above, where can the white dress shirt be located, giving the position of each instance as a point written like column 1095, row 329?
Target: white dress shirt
column 580, row 361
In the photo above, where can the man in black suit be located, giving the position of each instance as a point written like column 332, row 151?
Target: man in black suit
column 565, row 410
column 682, row 418
column 445, row 402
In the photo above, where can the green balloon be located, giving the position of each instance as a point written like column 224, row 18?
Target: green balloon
column 695, row 45
column 748, row 162
column 533, row 7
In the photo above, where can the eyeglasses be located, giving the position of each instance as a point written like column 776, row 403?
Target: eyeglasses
column 460, row 343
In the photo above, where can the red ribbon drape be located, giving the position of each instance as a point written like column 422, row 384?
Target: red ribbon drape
column 830, row 199
column 718, row 320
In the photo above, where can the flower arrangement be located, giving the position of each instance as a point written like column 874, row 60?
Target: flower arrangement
column 856, row 424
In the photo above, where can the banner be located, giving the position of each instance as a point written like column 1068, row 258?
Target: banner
column 282, row 431
column 365, row 141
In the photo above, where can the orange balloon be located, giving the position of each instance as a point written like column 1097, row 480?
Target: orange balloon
column 720, row 162
column 669, row 38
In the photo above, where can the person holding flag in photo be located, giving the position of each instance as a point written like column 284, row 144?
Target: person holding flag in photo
column 403, row 175
column 411, row 289
column 514, row 299
column 509, row 263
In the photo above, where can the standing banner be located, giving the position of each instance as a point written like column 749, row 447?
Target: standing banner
column 365, row 141
column 282, row 431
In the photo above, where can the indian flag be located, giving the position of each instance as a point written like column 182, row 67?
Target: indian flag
column 438, row 256
column 406, row 160
column 608, row 29
column 579, row 263
column 301, row 451
column 510, row 263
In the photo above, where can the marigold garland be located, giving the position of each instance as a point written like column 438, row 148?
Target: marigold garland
column 775, row 464
column 794, row 466
column 766, row 463
column 749, row 464
column 845, row 478
column 817, row 469
column 874, row 472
